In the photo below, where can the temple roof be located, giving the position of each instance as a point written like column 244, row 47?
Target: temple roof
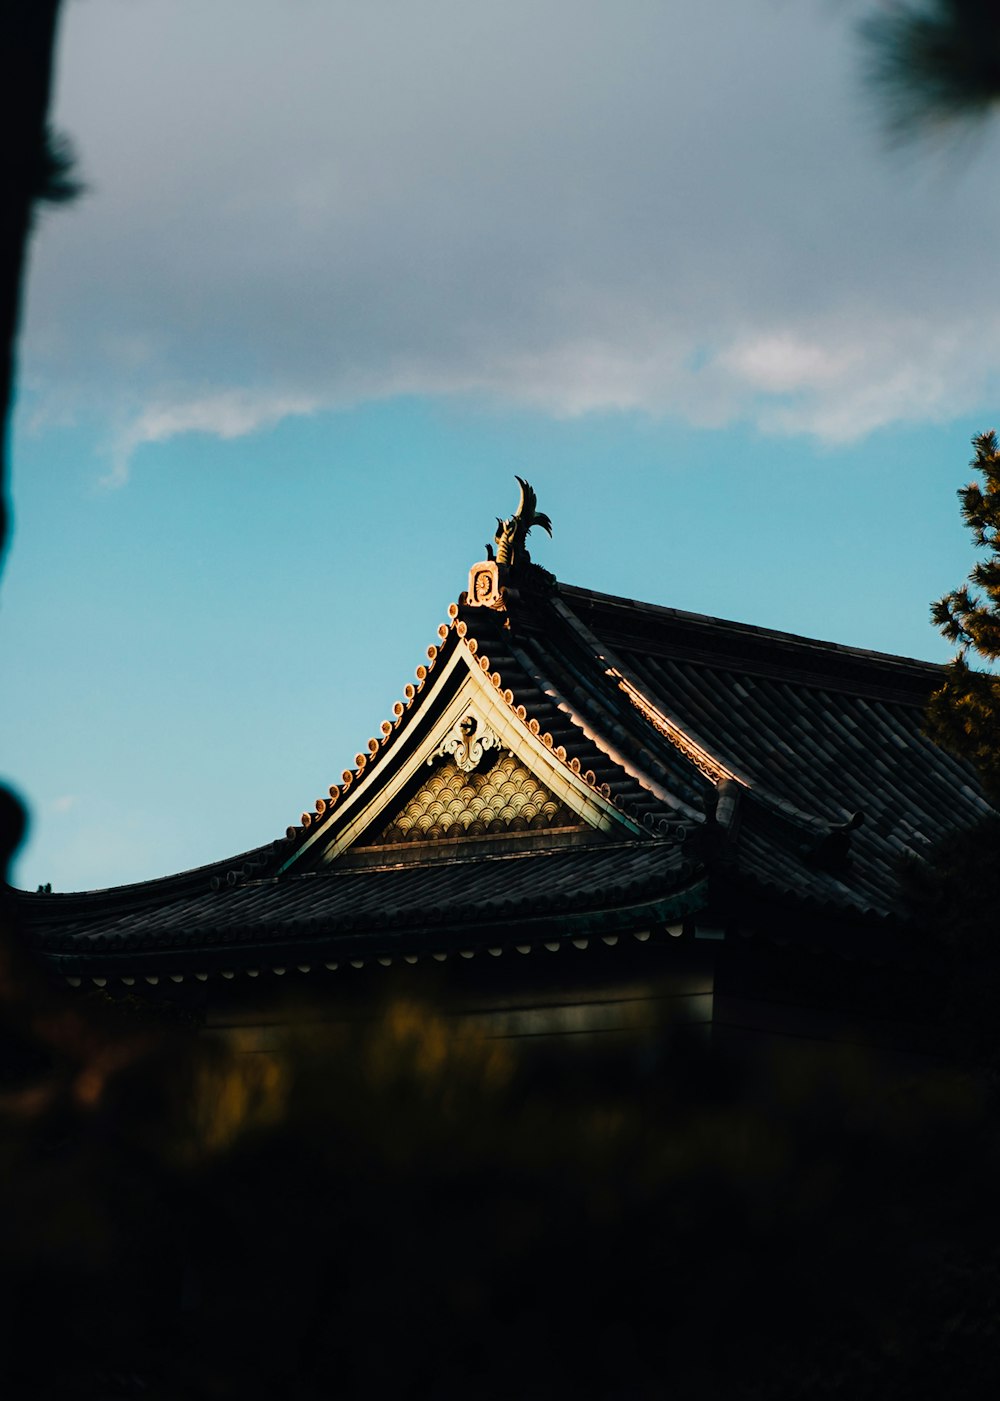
column 568, row 761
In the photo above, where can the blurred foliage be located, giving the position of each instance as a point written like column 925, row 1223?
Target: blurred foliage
column 932, row 64
column 398, row 1207
column 55, row 179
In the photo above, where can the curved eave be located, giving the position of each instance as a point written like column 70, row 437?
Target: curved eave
column 315, row 945
column 43, row 907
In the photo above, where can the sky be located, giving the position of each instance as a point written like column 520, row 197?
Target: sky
column 343, row 267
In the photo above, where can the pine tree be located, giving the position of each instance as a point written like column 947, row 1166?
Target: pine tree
column 964, row 715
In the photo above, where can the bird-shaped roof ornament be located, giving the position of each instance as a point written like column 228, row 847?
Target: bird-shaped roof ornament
column 512, row 534
column 488, row 581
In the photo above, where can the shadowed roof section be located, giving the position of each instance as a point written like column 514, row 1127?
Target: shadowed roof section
column 390, row 910
column 815, row 732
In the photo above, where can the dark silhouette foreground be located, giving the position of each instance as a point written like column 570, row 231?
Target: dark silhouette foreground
column 400, row 1210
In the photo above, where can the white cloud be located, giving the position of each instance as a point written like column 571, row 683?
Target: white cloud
column 858, row 376
column 576, row 206
column 847, row 381
column 784, row 363
column 231, row 414
column 65, row 803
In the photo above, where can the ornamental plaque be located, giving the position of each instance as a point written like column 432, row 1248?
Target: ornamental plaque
column 485, row 584
column 466, row 743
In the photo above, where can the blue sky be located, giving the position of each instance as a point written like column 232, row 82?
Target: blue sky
column 343, row 270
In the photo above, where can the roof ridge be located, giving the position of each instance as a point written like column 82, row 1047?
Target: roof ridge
column 749, row 630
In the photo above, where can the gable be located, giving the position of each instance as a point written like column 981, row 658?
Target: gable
column 463, row 761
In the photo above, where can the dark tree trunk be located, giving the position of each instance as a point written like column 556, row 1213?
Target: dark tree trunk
column 27, row 39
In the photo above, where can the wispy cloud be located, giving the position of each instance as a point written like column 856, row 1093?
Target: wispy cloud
column 229, row 414
column 844, row 379
column 835, row 381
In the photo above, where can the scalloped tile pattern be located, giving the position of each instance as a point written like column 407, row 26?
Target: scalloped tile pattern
column 506, row 797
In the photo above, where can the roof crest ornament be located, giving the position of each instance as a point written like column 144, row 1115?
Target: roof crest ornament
column 512, row 534
column 466, row 743
column 488, row 579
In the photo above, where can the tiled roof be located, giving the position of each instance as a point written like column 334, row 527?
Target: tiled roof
column 382, row 911
column 784, row 768
column 813, row 733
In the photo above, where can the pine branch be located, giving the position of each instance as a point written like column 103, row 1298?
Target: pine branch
column 964, row 715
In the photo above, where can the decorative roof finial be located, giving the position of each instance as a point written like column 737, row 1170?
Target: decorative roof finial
column 513, row 533
column 488, row 580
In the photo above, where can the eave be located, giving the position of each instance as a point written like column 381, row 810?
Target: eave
column 330, row 921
